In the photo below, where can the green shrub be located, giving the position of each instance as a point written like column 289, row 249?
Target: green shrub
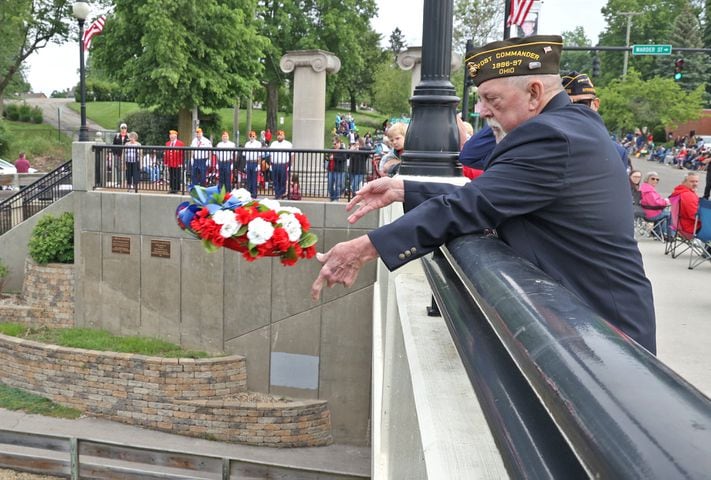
column 4, row 271
column 25, row 113
column 36, row 115
column 52, row 239
column 4, row 139
column 12, row 112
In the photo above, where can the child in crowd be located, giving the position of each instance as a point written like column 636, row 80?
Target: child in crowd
column 294, row 189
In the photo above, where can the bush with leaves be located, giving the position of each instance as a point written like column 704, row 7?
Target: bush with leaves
column 4, row 271
column 12, row 112
column 4, row 139
column 52, row 239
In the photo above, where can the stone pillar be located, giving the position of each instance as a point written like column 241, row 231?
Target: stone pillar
column 411, row 59
column 310, row 68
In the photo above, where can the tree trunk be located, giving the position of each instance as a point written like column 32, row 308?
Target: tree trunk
column 235, row 121
column 272, row 105
column 354, row 107
column 250, row 101
column 185, row 124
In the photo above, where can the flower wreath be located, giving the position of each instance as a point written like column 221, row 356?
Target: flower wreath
column 256, row 228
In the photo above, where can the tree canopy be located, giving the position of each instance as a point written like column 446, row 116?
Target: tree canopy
column 27, row 26
column 480, row 21
column 180, row 54
column 657, row 103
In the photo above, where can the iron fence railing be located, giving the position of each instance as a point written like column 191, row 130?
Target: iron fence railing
column 265, row 172
column 35, row 197
column 76, row 458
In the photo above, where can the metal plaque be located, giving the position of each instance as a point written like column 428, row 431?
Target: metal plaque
column 160, row 248
column 121, row 245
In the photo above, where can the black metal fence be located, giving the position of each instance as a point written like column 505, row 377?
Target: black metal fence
column 35, row 197
column 290, row 174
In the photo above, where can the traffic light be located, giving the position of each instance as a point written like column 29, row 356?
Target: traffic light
column 596, row 66
column 678, row 69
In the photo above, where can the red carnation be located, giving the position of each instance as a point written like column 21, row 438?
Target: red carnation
column 305, row 225
column 245, row 215
column 269, row 216
column 281, row 239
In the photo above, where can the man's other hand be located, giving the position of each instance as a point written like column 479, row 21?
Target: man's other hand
column 374, row 195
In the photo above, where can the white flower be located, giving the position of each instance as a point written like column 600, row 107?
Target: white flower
column 270, row 204
column 292, row 226
column 222, row 217
column 290, row 210
column 242, row 195
column 259, row 231
column 229, row 229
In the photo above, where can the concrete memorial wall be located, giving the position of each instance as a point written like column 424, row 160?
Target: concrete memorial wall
column 138, row 273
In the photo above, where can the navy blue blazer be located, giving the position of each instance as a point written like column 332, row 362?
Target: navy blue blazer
column 556, row 192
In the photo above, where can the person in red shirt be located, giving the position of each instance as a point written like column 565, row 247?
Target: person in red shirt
column 173, row 159
column 688, row 203
column 22, row 164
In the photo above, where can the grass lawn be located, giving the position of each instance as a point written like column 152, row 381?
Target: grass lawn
column 37, row 140
column 110, row 114
column 101, row 340
column 16, row 399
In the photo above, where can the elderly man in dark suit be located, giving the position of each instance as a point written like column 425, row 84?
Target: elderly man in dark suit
column 553, row 188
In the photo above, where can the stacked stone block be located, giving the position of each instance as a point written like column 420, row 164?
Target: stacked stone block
column 182, row 396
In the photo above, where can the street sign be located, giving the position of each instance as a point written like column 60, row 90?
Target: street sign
column 651, row 49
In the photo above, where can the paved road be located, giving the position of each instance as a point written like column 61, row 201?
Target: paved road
column 56, row 112
column 681, row 297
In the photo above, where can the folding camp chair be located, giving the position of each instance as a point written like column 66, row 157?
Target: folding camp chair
column 645, row 227
column 700, row 247
column 678, row 241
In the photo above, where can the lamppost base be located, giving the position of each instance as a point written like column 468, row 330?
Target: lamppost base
column 84, row 134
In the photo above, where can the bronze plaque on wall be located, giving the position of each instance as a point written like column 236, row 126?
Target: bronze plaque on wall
column 160, row 248
column 121, row 245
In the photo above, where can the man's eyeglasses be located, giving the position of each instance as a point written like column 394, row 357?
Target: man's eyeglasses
column 654, row 179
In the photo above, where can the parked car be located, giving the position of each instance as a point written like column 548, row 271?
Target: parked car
column 8, row 168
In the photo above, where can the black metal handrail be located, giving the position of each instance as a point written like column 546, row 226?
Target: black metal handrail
column 565, row 393
column 145, row 169
column 35, row 197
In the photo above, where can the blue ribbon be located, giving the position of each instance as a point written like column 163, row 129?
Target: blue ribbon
column 203, row 197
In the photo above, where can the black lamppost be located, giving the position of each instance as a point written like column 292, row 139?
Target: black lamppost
column 81, row 11
column 432, row 140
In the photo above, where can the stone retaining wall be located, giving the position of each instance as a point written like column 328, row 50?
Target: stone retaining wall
column 183, row 396
column 47, row 297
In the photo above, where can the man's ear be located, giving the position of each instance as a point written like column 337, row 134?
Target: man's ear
column 535, row 92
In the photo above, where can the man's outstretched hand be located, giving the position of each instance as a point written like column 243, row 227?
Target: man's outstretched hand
column 374, row 195
column 342, row 263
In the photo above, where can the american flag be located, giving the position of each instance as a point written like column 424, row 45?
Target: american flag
column 93, row 30
column 519, row 11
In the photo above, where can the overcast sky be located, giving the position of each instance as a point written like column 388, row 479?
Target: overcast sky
column 56, row 67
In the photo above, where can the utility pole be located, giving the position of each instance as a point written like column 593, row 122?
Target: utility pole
column 629, row 16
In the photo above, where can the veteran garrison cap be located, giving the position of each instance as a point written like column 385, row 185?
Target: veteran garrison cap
column 534, row 55
column 576, row 83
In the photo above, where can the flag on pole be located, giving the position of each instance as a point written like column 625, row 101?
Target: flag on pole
column 519, row 11
column 94, row 29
